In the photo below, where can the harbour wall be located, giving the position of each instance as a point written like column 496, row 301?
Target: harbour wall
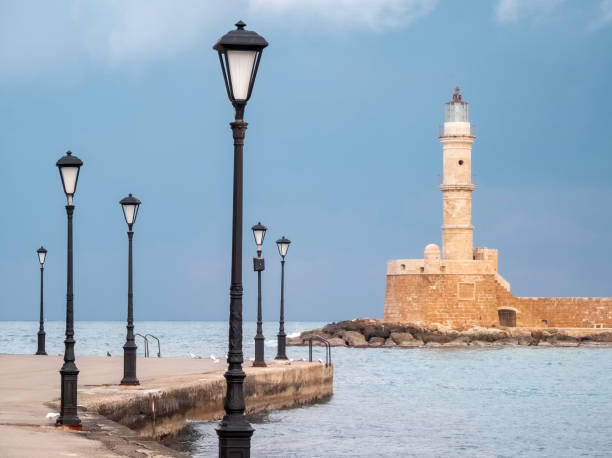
column 465, row 300
column 161, row 407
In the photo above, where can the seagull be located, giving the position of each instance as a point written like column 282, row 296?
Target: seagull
column 108, row 353
column 321, row 361
column 213, row 358
column 191, row 355
column 52, row 415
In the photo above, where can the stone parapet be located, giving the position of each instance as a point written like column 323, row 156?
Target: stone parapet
column 446, row 266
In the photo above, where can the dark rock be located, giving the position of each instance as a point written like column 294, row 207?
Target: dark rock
column 354, row 325
column 354, row 339
column 294, row 341
column 460, row 341
column 376, row 342
column 508, row 341
column 540, row 335
column 526, row 340
column 401, row 337
column 479, row 343
column 393, row 327
column 375, row 331
column 364, row 332
column 603, row 336
column 561, row 339
column 485, row 334
column 337, row 342
column 404, row 339
column 331, row 328
column 390, row 343
column 437, row 335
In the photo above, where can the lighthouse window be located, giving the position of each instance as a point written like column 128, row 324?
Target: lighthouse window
column 461, row 162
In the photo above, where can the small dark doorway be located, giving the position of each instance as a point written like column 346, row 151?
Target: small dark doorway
column 507, row 317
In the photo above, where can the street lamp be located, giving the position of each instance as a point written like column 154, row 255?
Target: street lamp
column 259, row 232
column 130, row 205
column 239, row 54
column 283, row 246
column 69, row 167
column 42, row 254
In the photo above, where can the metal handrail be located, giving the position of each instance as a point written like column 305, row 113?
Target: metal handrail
column 146, row 344
column 158, row 345
column 327, row 349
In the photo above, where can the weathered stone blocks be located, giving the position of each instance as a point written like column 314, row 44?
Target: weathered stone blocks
column 444, row 298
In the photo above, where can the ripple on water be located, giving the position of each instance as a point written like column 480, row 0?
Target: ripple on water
column 503, row 402
column 511, row 401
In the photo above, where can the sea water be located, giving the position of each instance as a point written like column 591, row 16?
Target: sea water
column 418, row 402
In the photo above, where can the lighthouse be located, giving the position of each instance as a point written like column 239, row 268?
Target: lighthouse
column 460, row 286
column 457, row 137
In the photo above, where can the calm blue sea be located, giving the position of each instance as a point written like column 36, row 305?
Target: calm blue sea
column 503, row 402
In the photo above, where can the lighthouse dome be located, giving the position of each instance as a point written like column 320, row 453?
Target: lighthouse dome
column 432, row 258
column 432, row 252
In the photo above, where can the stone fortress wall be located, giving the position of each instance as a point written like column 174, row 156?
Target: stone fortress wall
column 474, row 299
column 460, row 286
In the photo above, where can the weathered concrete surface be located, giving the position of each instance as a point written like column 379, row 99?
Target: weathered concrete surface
column 367, row 332
column 30, row 387
column 160, row 406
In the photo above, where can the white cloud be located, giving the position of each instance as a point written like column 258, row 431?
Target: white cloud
column 605, row 17
column 155, row 28
column 40, row 37
column 372, row 14
column 509, row 11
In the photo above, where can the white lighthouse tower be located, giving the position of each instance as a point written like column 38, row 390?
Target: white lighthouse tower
column 447, row 285
column 457, row 138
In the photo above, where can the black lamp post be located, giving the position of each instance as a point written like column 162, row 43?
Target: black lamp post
column 69, row 167
column 130, row 205
column 283, row 246
column 259, row 232
column 42, row 254
column 239, row 54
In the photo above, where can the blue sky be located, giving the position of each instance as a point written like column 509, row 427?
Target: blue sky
column 341, row 154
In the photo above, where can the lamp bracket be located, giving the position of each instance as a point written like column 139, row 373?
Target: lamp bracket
column 258, row 264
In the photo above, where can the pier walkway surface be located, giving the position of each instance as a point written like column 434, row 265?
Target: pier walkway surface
column 171, row 391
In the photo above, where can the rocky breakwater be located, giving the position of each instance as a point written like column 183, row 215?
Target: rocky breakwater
column 367, row 332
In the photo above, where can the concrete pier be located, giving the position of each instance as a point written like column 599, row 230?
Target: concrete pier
column 172, row 390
